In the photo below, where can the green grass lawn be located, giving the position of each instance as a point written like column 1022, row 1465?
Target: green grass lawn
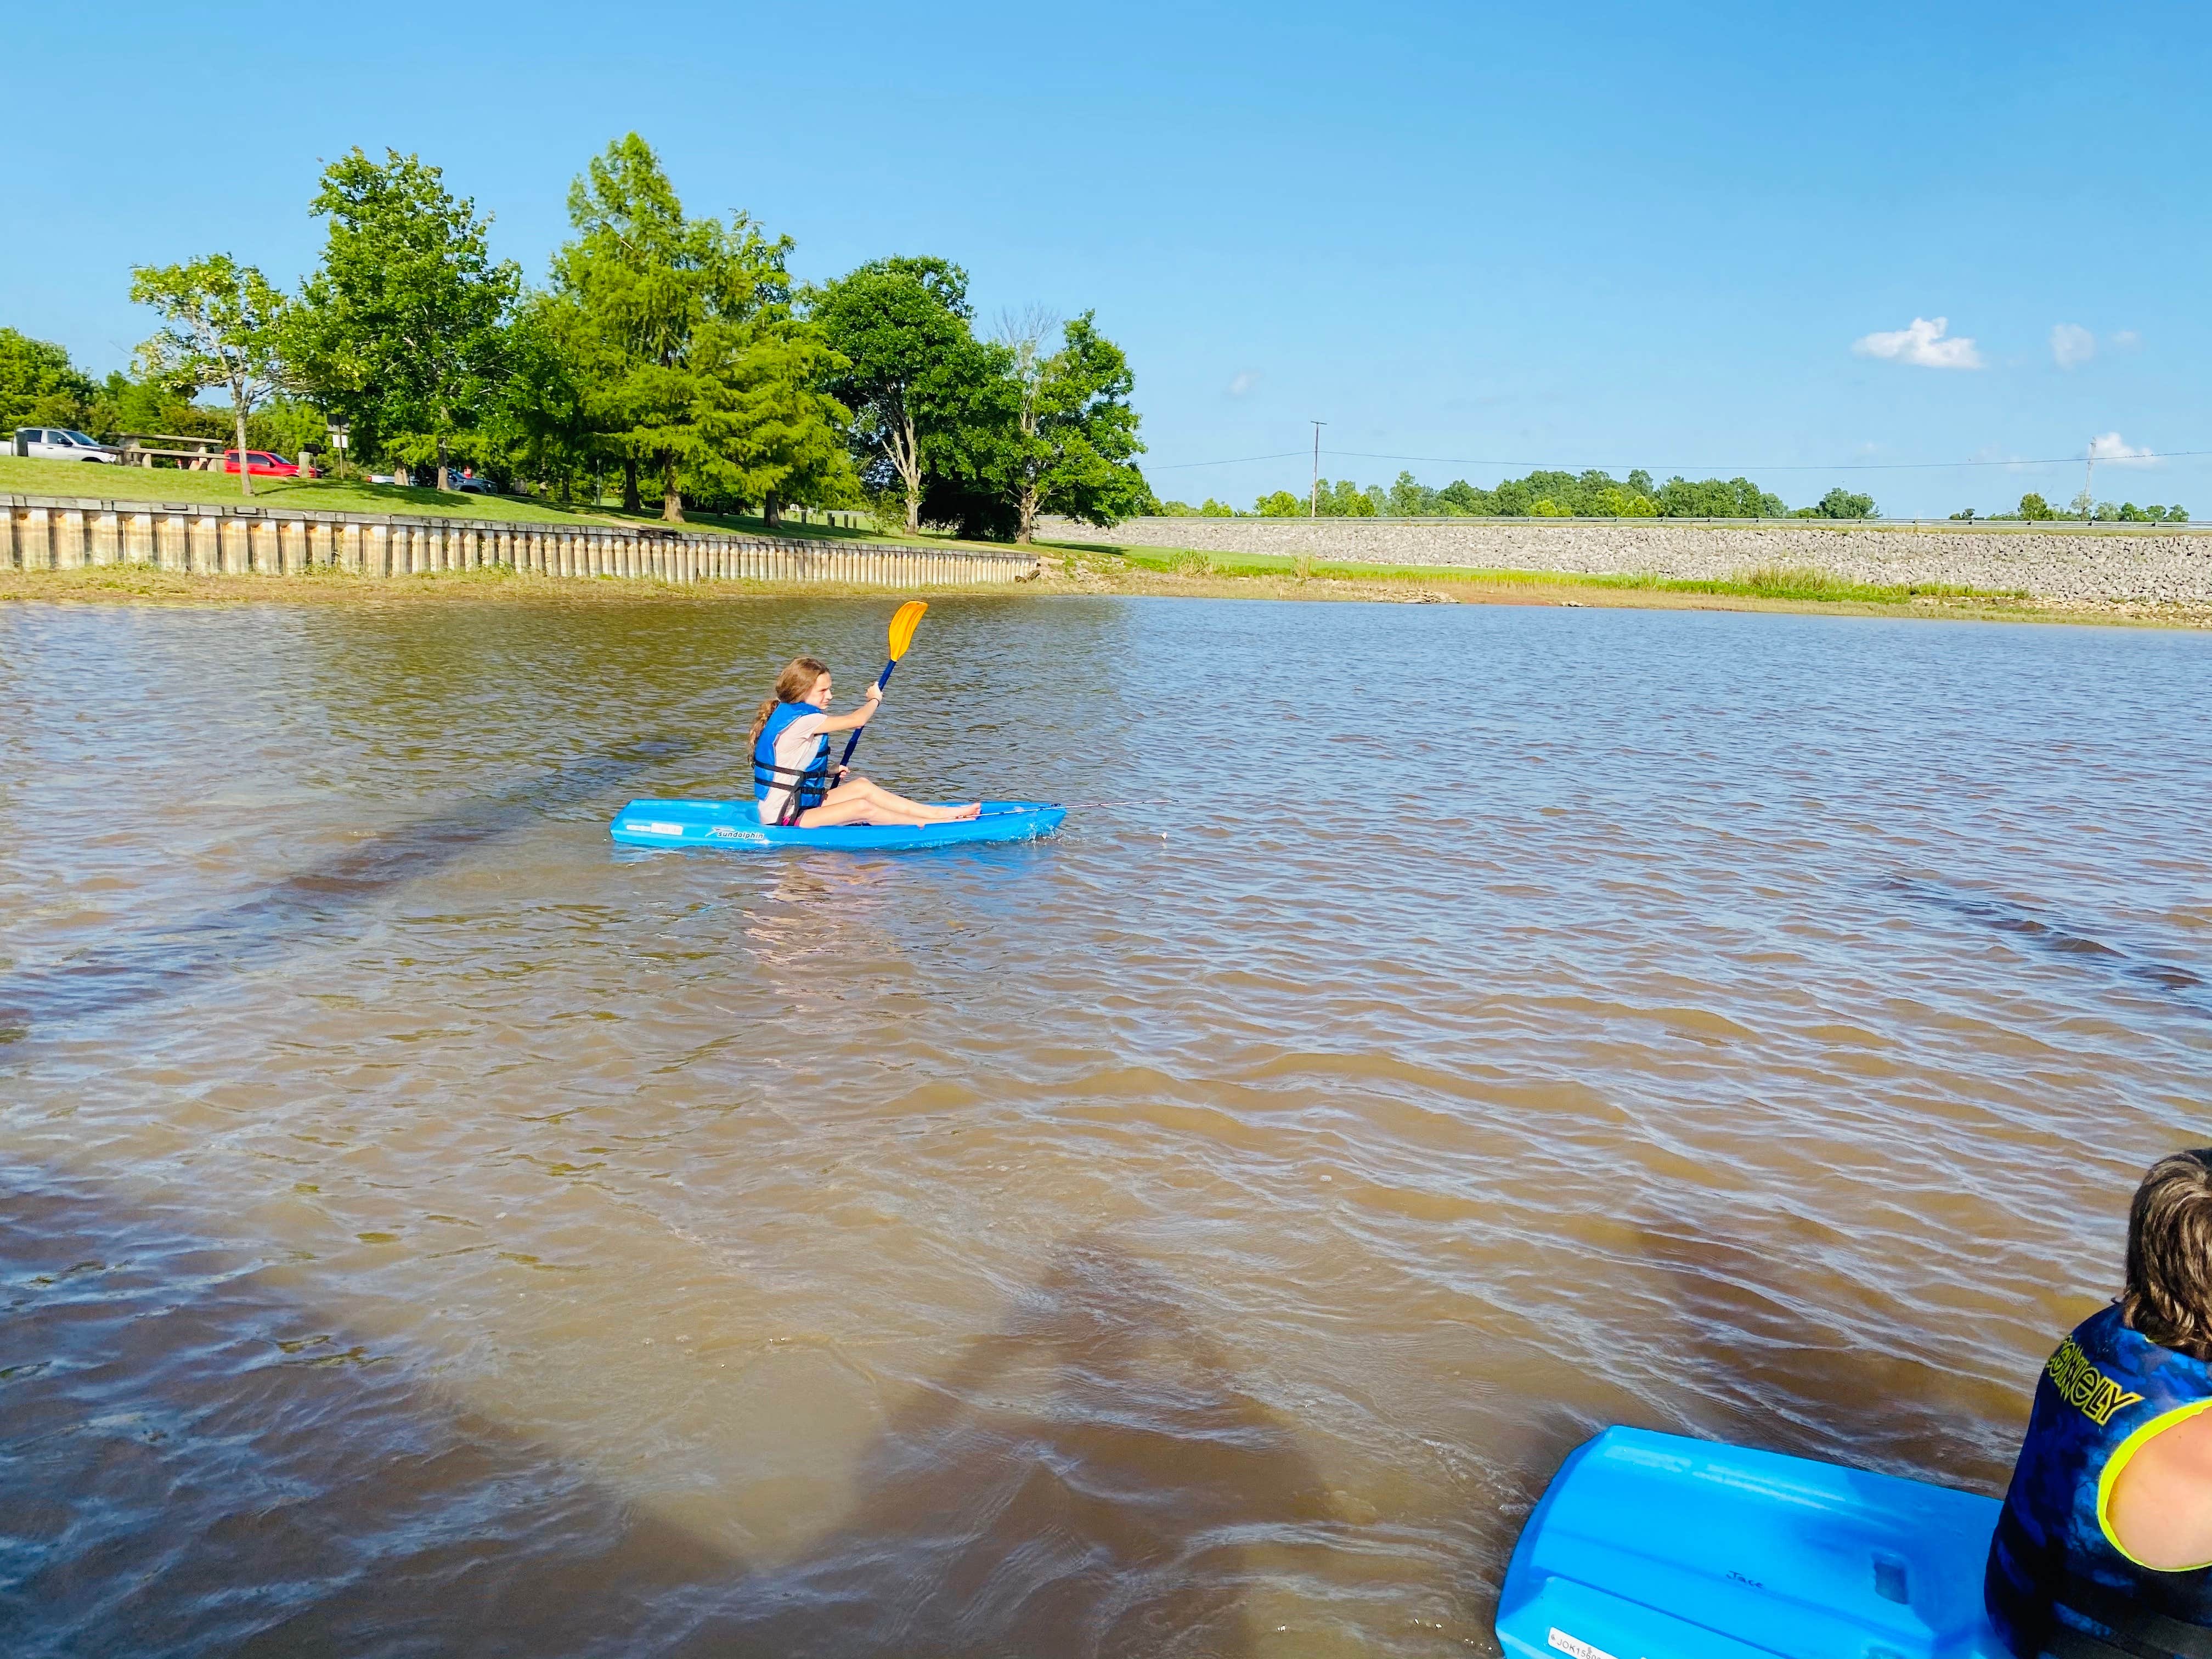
column 23, row 476
column 20, row 475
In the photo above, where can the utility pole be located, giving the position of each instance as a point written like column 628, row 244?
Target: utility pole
column 1313, row 502
column 2089, row 484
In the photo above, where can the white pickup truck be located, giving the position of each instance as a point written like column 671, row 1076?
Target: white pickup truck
column 54, row 443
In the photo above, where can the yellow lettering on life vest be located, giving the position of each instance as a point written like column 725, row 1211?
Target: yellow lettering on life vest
column 2110, row 1400
column 2085, row 1387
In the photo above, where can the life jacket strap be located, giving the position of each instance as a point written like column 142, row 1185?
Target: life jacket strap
column 807, row 786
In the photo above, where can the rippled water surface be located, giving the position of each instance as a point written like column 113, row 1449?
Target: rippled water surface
column 1439, row 1031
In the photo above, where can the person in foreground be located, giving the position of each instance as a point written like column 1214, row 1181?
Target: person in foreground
column 791, row 760
column 2104, row 1547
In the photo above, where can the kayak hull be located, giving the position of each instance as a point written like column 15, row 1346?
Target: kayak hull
column 734, row 826
column 1653, row 1547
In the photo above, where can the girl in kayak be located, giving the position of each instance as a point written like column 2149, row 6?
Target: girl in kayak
column 792, row 774
column 2103, row 1545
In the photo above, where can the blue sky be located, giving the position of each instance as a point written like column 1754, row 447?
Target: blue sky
column 1572, row 235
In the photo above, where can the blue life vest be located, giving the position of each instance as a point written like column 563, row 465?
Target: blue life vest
column 2058, row 1581
column 808, row 783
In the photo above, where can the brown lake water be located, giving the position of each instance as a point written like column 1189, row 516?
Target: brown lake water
column 1440, row 1031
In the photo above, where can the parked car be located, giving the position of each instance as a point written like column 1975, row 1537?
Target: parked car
column 54, row 443
column 262, row 464
column 473, row 484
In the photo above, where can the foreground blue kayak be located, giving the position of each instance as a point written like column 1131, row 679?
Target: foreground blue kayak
column 1652, row 1546
column 735, row 826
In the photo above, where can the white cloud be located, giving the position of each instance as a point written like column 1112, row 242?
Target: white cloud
column 2109, row 447
column 2127, row 339
column 1244, row 381
column 1922, row 344
column 2071, row 344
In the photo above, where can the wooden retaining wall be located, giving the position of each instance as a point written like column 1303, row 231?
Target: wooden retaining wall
column 43, row 533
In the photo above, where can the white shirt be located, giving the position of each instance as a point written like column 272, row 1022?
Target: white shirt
column 794, row 753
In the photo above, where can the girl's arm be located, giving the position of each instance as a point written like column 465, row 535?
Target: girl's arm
column 871, row 697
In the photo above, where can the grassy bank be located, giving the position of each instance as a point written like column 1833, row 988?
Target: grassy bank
column 1802, row 582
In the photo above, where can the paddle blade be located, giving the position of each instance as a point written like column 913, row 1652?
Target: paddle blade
column 902, row 626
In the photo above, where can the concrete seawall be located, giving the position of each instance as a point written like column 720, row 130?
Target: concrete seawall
column 56, row 533
column 2108, row 565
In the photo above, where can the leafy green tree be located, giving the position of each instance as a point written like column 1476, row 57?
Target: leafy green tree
column 1280, row 504
column 689, row 344
column 2032, row 506
column 1210, row 509
column 1714, row 498
column 1840, row 503
column 971, row 447
column 1552, row 494
column 925, row 396
column 1346, row 500
column 1617, row 502
column 536, row 424
column 771, row 434
column 1078, row 435
column 1409, row 499
column 125, row 404
column 225, row 327
column 399, row 328
column 39, row 385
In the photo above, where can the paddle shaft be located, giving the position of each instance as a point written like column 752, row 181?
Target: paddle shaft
column 853, row 742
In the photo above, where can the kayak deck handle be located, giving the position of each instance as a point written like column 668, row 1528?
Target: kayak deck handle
column 1890, row 1582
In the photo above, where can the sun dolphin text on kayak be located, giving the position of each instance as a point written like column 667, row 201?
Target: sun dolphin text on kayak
column 787, row 784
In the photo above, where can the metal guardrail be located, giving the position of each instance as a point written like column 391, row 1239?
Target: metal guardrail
column 40, row 532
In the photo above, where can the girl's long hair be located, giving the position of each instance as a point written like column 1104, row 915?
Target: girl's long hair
column 791, row 686
column 2169, row 1292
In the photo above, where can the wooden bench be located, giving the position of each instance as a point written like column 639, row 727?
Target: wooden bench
column 193, row 454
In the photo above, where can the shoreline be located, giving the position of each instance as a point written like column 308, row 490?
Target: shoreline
column 1068, row 573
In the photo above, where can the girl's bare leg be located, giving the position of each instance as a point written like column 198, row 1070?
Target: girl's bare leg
column 886, row 800
column 852, row 810
column 859, row 801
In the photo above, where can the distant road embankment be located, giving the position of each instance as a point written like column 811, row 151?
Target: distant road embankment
column 2126, row 563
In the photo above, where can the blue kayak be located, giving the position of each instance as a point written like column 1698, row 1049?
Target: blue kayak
column 734, row 826
column 1652, row 1546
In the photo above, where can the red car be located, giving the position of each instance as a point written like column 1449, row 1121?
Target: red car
column 262, row 464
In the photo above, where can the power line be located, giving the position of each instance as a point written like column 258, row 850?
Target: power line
column 1179, row 466
column 1839, row 466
